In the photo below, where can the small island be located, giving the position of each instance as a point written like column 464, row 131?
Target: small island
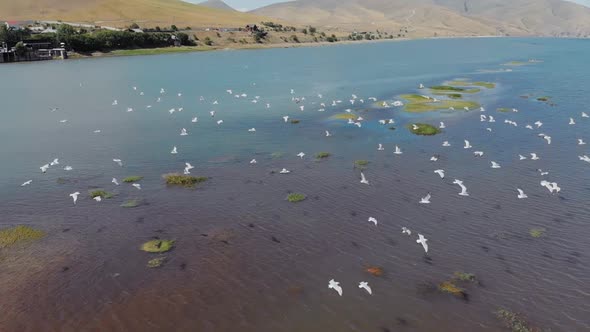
column 418, row 104
column 296, row 197
column 423, row 129
column 187, row 181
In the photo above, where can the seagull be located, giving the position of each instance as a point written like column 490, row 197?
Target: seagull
column 529, row 127
column 286, row 118
column 335, row 286
column 534, row 156
column 44, row 168
column 118, row 162
column 194, row 120
column 365, row 286
column 415, row 127
column 441, row 173
column 446, row 143
column 397, row 150
column 26, row 183
column 285, row 171
column 495, row 165
column 581, row 142
column 521, row 157
column 328, row 134
column 253, row 161
column 115, row 102
column 521, row 194
column 467, row 145
column 301, row 155
column 539, row 124
column 422, row 240
column 221, row 121
column 74, row 197
column 174, row 150
column 584, row 158
column 183, row 132
column 552, row 186
column 491, row 119
column 54, row 162
column 483, row 118
column 421, row 86
column 425, row 200
column 229, row 92
column 68, row 168
column 98, row 131
column 187, row 168
column 364, row 179
column 137, row 185
column 442, row 125
column 380, row 147
column 478, row 153
column 162, row 91
column 463, row 188
column 547, row 138
column 97, row 198
column 373, row 220
column 358, row 124
column 212, row 113
column 434, row 158
column 115, row 181
column 572, row 122
column 172, row 110
column 542, row 173
column 584, row 115
column 129, row 109
column 481, row 109
column 405, row 230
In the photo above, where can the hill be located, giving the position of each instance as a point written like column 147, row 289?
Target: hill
column 425, row 18
column 218, row 4
column 119, row 13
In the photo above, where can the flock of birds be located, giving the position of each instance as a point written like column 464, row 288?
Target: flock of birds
column 552, row 187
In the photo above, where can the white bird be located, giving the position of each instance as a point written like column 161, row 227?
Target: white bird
column 534, row 156
column 158, row 100
column 358, row 124
column 74, row 197
column 422, row 240
column 572, row 122
column 174, row 150
column 529, row 127
column 446, row 144
column 547, row 138
column 542, row 173
column 581, row 142
column 521, row 194
column 229, row 92
column 183, row 132
column 397, row 150
column 483, row 118
column 187, row 168
column 137, row 185
column 301, row 155
column 335, row 286
column 216, row 103
column 398, row 103
column 328, row 134
column 162, row 91
column 373, row 220
column 584, row 115
column 441, row 173
column 365, row 286
column 253, row 161
column 97, row 198
column 380, row 147
column 180, row 94
column 426, row 200
column 552, row 186
column 521, row 157
column 68, row 168
column 495, row 165
column 115, row 102
column 286, row 118
column 219, row 122
column 415, row 127
column 405, row 230
column 212, row 113
column 481, row 109
column 172, row 110
column 463, row 188
column 364, row 179
column 98, row 131
column 421, row 86
column 489, row 129
column 491, row 119
column 442, row 125
column 118, row 162
column 44, row 168
column 285, row 171
column 129, row 109
column 26, row 183
column 115, row 181
column 434, row 158
column 539, row 124
column 194, row 120
column 467, row 145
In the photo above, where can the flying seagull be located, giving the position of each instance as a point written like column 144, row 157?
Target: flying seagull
column 301, row 155
column 521, row 194
column 115, row 181
column 118, row 162
column 441, row 173
column 363, row 179
column 405, row 230
column 422, row 240
column 463, row 188
column 44, row 168
column 74, row 197
column 397, row 150
column 373, row 220
column 26, row 183
column 426, row 200
column 467, row 145
column 365, row 286
column 137, row 185
column 174, row 150
column 495, row 165
column 335, row 286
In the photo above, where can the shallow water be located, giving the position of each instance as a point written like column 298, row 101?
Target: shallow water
column 248, row 260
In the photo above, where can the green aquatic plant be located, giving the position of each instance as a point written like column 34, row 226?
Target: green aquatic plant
column 451, row 288
column 537, row 232
column 158, row 246
column 101, row 193
column 446, row 88
column 132, row 203
column 514, row 63
column 463, row 276
column 454, row 95
column 295, row 121
column 132, row 179
column 19, row 234
column 513, row 321
column 361, row 163
column 423, row 129
column 156, row 262
column 544, row 98
column 176, row 179
column 322, row 155
column 343, row 116
column 277, row 155
column 296, row 197
column 487, row 85
column 418, row 104
column 504, row 109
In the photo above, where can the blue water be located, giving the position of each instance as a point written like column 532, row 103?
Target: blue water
column 226, row 273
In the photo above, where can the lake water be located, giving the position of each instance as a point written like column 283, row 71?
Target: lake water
column 246, row 259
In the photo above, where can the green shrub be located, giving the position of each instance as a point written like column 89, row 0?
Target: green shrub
column 18, row 234
column 296, row 197
column 176, row 179
column 132, row 179
column 158, row 246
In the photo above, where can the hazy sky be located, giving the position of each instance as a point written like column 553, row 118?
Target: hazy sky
column 253, row 4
